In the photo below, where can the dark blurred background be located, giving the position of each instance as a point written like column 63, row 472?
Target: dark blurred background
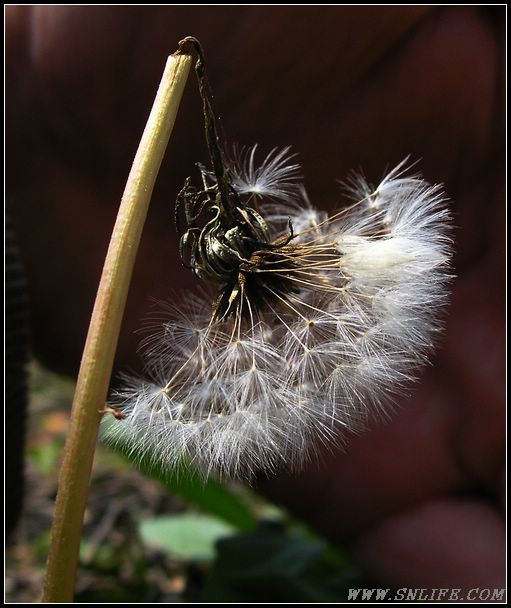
column 349, row 88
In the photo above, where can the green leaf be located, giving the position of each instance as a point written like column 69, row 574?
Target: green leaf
column 272, row 565
column 209, row 495
column 45, row 456
column 185, row 536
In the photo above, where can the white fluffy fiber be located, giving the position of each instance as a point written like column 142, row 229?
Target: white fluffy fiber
column 237, row 400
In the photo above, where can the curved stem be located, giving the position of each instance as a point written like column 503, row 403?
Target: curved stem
column 100, row 346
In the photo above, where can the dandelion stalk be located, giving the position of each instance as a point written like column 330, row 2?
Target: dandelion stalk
column 98, row 355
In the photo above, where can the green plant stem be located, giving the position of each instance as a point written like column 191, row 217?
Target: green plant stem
column 99, row 351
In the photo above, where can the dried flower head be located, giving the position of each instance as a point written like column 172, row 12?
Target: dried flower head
column 317, row 321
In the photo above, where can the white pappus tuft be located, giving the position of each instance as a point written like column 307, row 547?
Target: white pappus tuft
column 314, row 330
column 276, row 178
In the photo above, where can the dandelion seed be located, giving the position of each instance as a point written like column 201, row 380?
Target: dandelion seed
column 276, row 178
column 317, row 323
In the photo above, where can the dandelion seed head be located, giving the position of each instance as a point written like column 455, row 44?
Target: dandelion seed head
column 319, row 321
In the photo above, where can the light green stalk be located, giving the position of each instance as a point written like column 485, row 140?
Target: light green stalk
column 98, row 355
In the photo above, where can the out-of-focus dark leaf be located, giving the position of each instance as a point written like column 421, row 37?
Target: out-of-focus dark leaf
column 272, row 565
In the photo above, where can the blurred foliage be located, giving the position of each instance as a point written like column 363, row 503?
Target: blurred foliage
column 277, row 560
column 208, row 494
column 158, row 537
column 276, row 563
column 186, row 536
column 45, row 456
